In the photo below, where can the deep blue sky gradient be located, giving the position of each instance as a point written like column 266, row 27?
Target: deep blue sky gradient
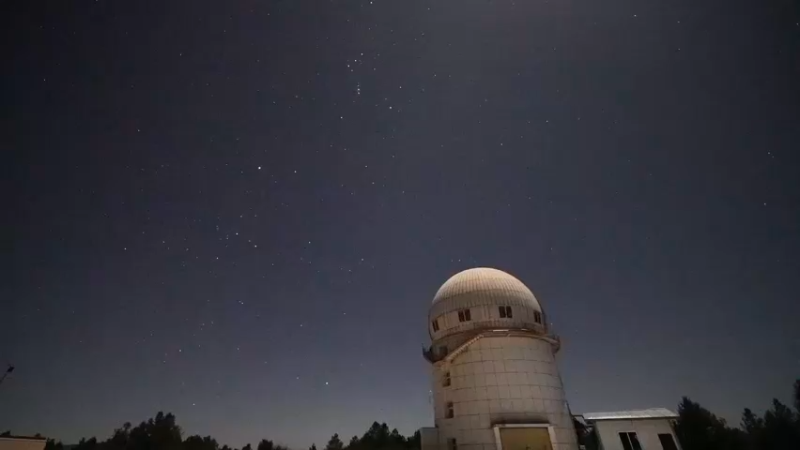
column 215, row 208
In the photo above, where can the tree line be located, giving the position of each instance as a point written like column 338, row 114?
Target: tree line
column 163, row 433
column 697, row 428
column 778, row 429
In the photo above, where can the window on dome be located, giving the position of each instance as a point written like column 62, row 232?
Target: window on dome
column 435, row 324
column 450, row 412
column 505, row 312
column 537, row 317
column 446, row 381
column 464, row 315
column 452, row 444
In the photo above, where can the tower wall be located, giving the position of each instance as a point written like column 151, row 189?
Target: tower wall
column 500, row 380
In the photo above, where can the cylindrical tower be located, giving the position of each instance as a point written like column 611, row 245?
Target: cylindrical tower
column 496, row 385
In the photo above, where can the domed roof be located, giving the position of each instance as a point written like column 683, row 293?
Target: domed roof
column 486, row 283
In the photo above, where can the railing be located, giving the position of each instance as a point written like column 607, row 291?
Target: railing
column 433, row 356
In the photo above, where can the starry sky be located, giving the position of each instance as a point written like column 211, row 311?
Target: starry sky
column 239, row 211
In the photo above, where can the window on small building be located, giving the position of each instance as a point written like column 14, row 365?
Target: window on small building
column 537, row 317
column 450, row 413
column 435, row 324
column 630, row 441
column 452, row 444
column 505, row 312
column 464, row 315
column 667, row 442
column 446, row 381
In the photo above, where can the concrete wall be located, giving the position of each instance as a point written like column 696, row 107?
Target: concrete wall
column 501, row 380
column 647, row 430
column 21, row 444
column 429, row 438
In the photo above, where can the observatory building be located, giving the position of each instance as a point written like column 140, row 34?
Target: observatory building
column 495, row 381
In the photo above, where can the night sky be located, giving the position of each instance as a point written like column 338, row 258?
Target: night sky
column 239, row 211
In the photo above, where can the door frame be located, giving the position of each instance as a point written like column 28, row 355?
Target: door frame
column 550, row 432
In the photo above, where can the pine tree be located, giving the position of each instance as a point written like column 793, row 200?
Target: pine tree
column 335, row 443
column 780, row 430
column 354, row 443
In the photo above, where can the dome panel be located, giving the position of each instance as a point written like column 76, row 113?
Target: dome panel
column 486, row 283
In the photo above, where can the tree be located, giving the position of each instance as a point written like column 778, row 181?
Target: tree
column 334, row 443
column 698, row 429
column 247, row 447
column 200, row 443
column 753, row 427
column 165, row 433
column 780, row 428
column 751, row 423
column 797, row 397
column 415, row 441
column 376, row 437
column 86, row 444
column 158, row 433
column 797, row 405
column 313, row 447
column 119, row 440
column 266, row 445
column 396, row 438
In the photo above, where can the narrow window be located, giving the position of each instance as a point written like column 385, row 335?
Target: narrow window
column 443, row 351
column 667, row 442
column 635, row 441
column 630, row 441
column 435, row 325
column 626, row 442
column 450, row 412
column 452, row 444
column 505, row 312
column 464, row 315
column 537, row 317
column 446, row 381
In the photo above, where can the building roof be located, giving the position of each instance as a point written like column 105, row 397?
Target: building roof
column 651, row 413
column 23, row 438
column 487, row 283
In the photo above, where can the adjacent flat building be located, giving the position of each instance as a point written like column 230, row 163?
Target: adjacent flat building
column 22, row 443
column 643, row 429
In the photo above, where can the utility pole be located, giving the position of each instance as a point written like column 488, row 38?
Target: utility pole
column 5, row 374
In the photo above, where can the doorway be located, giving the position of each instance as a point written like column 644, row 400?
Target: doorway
column 525, row 438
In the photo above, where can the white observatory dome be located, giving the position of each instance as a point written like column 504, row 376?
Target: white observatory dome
column 483, row 298
column 487, row 284
column 495, row 382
